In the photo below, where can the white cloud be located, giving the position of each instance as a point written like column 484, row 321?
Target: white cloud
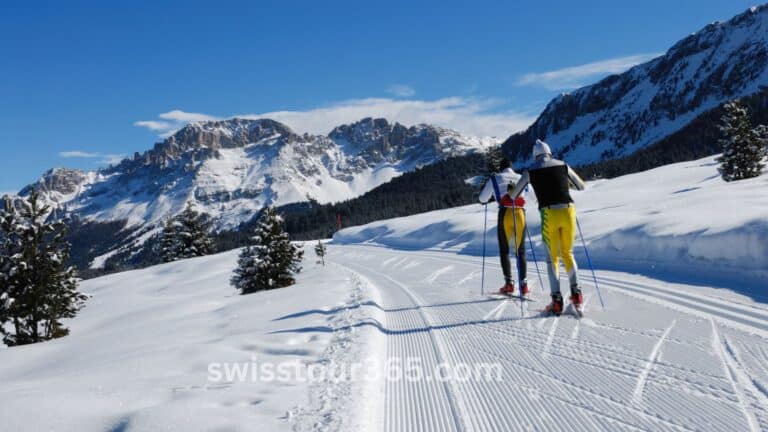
column 578, row 76
column 401, row 90
column 470, row 116
column 111, row 159
column 78, row 154
column 104, row 159
column 172, row 121
column 186, row 117
column 154, row 125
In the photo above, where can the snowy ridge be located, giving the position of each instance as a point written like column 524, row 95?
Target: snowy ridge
column 624, row 113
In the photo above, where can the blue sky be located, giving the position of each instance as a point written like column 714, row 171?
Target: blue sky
column 84, row 83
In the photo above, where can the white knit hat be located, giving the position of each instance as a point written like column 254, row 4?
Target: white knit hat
column 541, row 148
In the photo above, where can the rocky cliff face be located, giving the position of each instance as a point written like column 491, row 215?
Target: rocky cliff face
column 383, row 141
column 61, row 181
column 624, row 113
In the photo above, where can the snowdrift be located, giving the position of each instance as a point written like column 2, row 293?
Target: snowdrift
column 681, row 221
column 140, row 353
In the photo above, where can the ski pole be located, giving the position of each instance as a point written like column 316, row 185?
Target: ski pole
column 517, row 259
column 589, row 261
column 485, row 231
column 533, row 253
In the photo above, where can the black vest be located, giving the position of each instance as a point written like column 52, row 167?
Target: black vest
column 551, row 185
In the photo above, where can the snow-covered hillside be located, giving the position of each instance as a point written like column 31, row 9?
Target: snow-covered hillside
column 139, row 354
column 680, row 219
column 624, row 113
column 230, row 169
column 150, row 351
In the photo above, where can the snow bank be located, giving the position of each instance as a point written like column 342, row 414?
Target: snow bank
column 681, row 219
column 139, row 353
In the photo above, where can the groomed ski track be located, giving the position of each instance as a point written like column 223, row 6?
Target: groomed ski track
column 660, row 357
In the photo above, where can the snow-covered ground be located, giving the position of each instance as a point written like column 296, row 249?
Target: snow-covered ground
column 158, row 349
column 138, row 354
column 660, row 356
column 681, row 222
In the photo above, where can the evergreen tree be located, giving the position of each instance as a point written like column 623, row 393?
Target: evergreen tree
column 186, row 236
column 494, row 160
column 743, row 146
column 320, row 251
column 37, row 287
column 169, row 244
column 271, row 261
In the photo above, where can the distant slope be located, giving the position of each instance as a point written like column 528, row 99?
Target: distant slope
column 437, row 186
column 623, row 114
column 696, row 140
column 680, row 219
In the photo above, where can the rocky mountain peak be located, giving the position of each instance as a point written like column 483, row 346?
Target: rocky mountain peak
column 64, row 181
column 377, row 139
column 232, row 133
column 201, row 140
column 624, row 113
column 364, row 131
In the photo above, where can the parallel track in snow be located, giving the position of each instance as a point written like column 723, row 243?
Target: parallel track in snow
column 557, row 373
column 742, row 315
column 421, row 406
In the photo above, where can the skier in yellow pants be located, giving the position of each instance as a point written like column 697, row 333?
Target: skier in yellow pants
column 550, row 179
column 557, row 231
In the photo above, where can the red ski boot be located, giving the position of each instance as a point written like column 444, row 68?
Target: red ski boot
column 556, row 307
column 507, row 289
column 577, row 300
column 524, row 289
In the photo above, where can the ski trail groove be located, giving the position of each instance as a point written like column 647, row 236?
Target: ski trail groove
column 496, row 312
column 435, row 412
column 746, row 381
column 550, row 337
column 643, row 377
column 744, row 315
column 573, row 375
column 729, row 371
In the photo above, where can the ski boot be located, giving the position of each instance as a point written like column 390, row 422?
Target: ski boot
column 556, row 307
column 524, row 290
column 507, row 289
column 577, row 300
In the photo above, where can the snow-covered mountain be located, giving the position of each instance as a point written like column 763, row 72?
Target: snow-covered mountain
column 230, row 169
column 633, row 110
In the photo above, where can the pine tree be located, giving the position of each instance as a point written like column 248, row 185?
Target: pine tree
column 37, row 287
column 271, row 261
column 744, row 147
column 320, row 251
column 494, row 160
column 170, row 241
column 186, row 236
